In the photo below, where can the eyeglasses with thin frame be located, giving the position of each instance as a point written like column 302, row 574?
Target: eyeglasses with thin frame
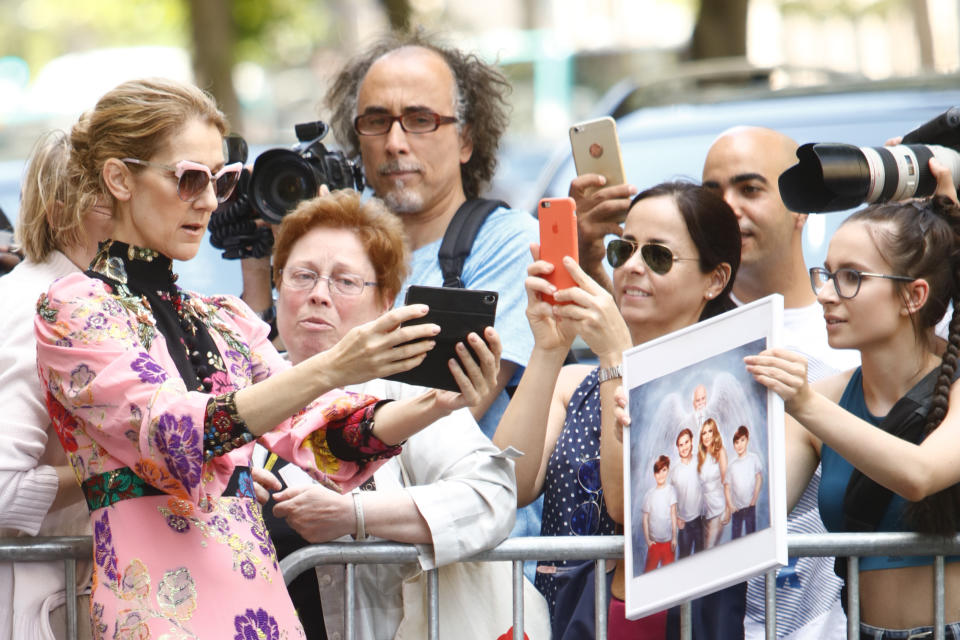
column 302, row 279
column 657, row 257
column 414, row 121
column 846, row 281
column 585, row 519
column 192, row 177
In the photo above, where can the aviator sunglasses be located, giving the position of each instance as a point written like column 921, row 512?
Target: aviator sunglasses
column 192, row 177
column 657, row 257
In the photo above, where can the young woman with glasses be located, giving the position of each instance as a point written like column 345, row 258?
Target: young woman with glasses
column 673, row 266
column 885, row 433
column 157, row 393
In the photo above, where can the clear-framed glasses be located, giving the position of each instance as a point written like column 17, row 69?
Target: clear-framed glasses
column 302, row 279
column 585, row 519
column 192, row 177
column 846, row 281
column 657, row 257
column 413, row 121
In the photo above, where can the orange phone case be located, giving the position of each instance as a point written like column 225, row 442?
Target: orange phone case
column 558, row 238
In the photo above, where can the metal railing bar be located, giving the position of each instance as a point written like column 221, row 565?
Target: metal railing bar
column 45, row 549
column 350, row 600
column 433, row 604
column 70, row 577
column 517, row 550
column 600, row 599
column 517, row 600
column 853, row 597
column 871, row 544
column 686, row 621
column 770, row 597
column 938, row 596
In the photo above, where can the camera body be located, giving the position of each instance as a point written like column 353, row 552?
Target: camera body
column 283, row 177
column 834, row 176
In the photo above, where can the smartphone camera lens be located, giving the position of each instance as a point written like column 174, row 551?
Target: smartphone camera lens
column 489, row 299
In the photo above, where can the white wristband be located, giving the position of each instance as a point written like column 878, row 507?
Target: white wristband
column 358, row 510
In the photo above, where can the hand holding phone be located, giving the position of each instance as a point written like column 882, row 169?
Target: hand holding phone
column 558, row 238
column 596, row 149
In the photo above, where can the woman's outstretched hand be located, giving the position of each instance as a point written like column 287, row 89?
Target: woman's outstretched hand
column 783, row 372
column 380, row 348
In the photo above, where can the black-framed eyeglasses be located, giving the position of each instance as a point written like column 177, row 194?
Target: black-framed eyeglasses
column 585, row 519
column 348, row 284
column 846, row 281
column 415, row 121
column 192, row 177
column 657, row 257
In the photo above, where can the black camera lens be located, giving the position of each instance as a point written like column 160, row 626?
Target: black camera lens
column 281, row 179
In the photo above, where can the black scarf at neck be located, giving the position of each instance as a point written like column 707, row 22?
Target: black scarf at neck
column 149, row 274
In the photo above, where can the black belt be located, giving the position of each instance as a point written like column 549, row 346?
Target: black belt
column 105, row 489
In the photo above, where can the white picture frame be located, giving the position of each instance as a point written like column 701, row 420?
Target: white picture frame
column 661, row 378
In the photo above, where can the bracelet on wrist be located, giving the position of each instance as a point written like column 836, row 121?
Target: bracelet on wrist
column 610, row 373
column 361, row 533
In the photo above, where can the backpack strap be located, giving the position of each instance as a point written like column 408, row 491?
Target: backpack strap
column 459, row 236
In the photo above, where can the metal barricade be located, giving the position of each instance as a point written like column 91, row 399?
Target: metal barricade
column 517, row 550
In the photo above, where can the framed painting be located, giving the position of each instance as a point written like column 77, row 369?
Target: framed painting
column 704, row 478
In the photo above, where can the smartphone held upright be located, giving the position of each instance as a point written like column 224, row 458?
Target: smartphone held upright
column 596, row 149
column 558, row 238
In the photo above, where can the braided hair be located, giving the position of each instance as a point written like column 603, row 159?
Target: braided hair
column 921, row 239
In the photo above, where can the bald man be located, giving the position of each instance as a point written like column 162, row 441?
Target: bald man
column 743, row 165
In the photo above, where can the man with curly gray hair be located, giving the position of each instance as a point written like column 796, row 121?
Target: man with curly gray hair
column 427, row 120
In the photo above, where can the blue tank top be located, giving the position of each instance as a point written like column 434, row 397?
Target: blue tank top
column 836, row 476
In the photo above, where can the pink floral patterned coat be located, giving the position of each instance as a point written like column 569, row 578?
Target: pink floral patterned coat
column 180, row 547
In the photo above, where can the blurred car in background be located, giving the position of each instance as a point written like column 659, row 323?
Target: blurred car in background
column 668, row 142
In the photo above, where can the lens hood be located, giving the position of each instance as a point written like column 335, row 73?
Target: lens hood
column 827, row 177
column 281, row 179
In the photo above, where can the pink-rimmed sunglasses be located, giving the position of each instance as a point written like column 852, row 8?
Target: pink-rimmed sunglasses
column 193, row 177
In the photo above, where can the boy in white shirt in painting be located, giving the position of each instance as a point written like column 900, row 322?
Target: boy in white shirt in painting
column 744, row 479
column 660, row 518
column 686, row 482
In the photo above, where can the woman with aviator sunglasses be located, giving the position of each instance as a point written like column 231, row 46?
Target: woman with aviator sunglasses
column 885, row 433
column 673, row 266
column 157, row 393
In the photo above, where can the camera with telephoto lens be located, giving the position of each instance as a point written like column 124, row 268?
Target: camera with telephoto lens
column 833, row 176
column 283, row 177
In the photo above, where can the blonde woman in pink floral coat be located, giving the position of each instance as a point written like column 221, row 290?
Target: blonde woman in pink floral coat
column 157, row 394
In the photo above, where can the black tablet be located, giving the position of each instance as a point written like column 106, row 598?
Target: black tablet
column 458, row 312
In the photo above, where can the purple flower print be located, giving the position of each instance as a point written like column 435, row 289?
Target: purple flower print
column 180, row 445
column 220, row 523
column 248, row 569
column 80, row 378
column 256, row 625
column 96, row 322
column 178, row 523
column 104, row 554
column 148, row 370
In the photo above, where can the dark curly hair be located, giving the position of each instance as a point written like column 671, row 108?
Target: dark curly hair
column 921, row 239
column 480, row 101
